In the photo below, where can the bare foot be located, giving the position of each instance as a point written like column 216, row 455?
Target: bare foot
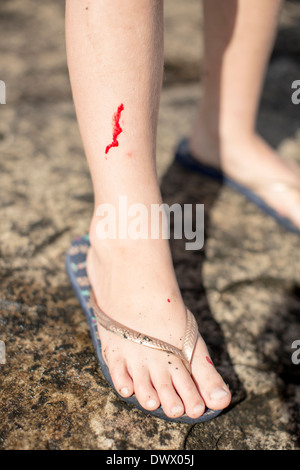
column 134, row 283
column 249, row 160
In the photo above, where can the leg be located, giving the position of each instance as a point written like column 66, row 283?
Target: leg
column 115, row 57
column 239, row 35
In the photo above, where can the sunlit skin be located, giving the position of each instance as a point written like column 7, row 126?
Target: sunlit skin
column 116, row 70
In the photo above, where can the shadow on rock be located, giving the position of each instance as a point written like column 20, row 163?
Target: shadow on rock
column 275, row 344
column 184, row 187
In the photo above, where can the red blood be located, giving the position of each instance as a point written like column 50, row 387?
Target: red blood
column 169, row 300
column 116, row 128
column 208, row 360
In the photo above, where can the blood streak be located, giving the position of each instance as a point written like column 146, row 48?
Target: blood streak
column 169, row 300
column 208, row 360
column 117, row 129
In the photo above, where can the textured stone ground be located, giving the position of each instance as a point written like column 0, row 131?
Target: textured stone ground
column 244, row 285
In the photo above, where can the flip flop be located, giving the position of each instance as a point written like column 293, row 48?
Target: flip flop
column 76, row 269
column 186, row 159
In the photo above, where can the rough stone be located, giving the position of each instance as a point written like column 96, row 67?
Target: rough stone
column 244, row 286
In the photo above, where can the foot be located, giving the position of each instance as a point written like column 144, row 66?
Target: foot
column 250, row 161
column 134, row 283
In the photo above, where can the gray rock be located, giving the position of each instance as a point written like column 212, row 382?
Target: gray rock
column 243, row 286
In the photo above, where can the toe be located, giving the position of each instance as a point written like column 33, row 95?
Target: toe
column 212, row 387
column 121, row 379
column 188, row 392
column 144, row 390
column 169, row 399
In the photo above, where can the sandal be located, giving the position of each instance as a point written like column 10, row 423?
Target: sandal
column 186, row 159
column 76, row 269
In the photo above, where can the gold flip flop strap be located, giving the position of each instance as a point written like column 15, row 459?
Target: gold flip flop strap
column 189, row 340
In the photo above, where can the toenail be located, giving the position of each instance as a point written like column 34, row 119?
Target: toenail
column 124, row 391
column 176, row 410
column 218, row 393
column 198, row 409
column 151, row 403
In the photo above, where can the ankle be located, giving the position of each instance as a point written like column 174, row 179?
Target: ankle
column 124, row 250
column 217, row 141
column 106, row 248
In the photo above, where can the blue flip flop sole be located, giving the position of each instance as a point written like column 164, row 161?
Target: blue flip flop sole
column 184, row 158
column 76, row 269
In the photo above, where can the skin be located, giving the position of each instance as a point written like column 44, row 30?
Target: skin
column 239, row 37
column 134, row 280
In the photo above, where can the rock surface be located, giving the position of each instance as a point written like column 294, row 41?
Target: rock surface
column 244, row 286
